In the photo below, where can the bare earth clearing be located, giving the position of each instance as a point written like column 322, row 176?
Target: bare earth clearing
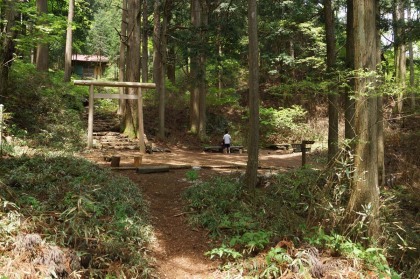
column 179, row 248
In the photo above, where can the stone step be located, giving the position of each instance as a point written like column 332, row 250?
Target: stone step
column 118, row 144
column 111, row 135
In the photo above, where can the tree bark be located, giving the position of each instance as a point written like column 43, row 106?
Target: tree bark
column 159, row 54
column 412, row 74
column 195, row 67
column 69, row 43
column 133, row 68
column 202, row 85
column 365, row 191
column 253, row 134
column 42, row 48
column 8, row 45
column 144, row 48
column 399, row 52
column 220, row 57
column 332, row 95
column 171, row 63
column 381, row 139
column 348, row 96
column 122, row 60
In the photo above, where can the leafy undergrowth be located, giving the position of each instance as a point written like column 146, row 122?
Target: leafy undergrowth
column 42, row 112
column 64, row 217
column 288, row 229
column 403, row 190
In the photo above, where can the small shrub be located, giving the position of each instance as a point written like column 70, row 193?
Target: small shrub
column 192, row 175
column 251, row 241
column 224, row 253
column 373, row 258
column 284, row 124
column 78, row 205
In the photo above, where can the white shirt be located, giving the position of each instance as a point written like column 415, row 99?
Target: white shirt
column 226, row 139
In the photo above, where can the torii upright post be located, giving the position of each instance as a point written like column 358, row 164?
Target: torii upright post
column 90, row 117
column 140, row 132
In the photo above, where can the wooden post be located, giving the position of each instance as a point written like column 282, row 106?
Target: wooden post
column 90, row 119
column 137, row 161
column 140, row 131
column 303, row 149
column 115, row 161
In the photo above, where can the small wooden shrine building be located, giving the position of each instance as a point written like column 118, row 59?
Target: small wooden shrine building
column 89, row 66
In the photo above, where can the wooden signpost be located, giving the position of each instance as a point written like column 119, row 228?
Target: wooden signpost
column 303, row 148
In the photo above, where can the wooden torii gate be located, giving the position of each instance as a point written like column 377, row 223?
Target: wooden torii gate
column 138, row 97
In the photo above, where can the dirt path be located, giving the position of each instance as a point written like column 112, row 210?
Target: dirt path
column 179, row 249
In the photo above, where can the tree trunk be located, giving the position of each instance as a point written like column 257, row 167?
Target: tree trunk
column 144, row 48
column 69, row 43
column 348, row 98
column 196, row 14
column 412, row 74
column 202, row 73
column 291, row 48
column 42, row 48
column 122, row 60
column 8, row 45
column 133, row 68
column 219, row 63
column 332, row 96
column 399, row 52
column 381, row 140
column 253, row 134
column 365, row 191
column 171, row 63
column 159, row 53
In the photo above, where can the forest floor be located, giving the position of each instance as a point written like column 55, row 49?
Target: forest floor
column 178, row 250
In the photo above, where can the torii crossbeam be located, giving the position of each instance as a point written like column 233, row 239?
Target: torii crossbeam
column 138, row 97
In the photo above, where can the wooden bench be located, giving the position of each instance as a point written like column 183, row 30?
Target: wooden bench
column 219, row 149
column 115, row 158
column 237, row 148
column 281, row 146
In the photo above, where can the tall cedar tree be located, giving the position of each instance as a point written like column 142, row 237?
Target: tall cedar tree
column 194, row 67
column 42, row 48
column 144, row 40
column 69, row 42
column 399, row 51
column 122, row 52
column 131, row 124
column 365, row 191
column 254, row 104
column 199, row 20
column 381, row 141
column 159, row 57
column 332, row 96
column 348, row 98
column 8, row 45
